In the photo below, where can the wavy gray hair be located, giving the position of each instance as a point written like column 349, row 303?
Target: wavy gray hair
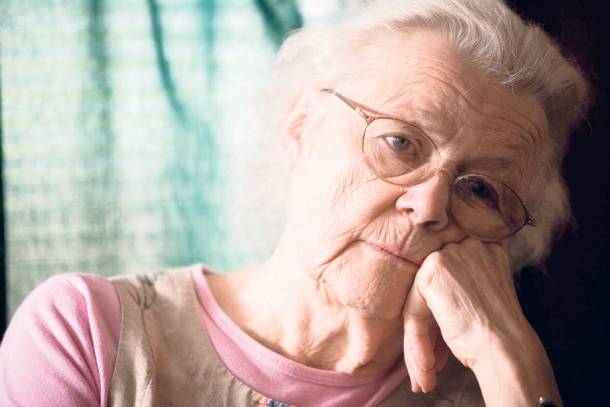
column 514, row 53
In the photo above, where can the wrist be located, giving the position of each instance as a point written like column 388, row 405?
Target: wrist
column 515, row 371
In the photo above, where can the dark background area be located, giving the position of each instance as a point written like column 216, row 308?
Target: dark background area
column 568, row 305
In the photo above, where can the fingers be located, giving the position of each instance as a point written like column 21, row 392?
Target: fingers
column 421, row 362
column 420, row 340
column 412, row 370
column 441, row 351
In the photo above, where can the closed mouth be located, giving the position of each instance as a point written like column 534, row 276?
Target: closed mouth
column 385, row 249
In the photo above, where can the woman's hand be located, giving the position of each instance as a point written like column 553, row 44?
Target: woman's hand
column 464, row 298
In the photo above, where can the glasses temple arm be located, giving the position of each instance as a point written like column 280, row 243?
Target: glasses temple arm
column 349, row 103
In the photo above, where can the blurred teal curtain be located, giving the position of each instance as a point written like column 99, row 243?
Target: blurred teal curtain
column 111, row 112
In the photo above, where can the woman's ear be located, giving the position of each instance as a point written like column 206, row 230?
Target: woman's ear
column 293, row 132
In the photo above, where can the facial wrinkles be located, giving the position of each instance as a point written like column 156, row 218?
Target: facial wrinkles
column 470, row 104
column 430, row 115
column 480, row 135
column 380, row 223
column 506, row 139
column 455, row 107
column 417, row 247
column 384, row 225
column 349, row 210
column 503, row 132
column 438, row 69
column 397, row 232
column 356, row 197
column 453, row 111
column 353, row 217
column 387, row 231
column 504, row 119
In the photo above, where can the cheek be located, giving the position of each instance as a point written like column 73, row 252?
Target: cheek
column 331, row 201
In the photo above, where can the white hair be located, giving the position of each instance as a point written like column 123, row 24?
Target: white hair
column 514, row 53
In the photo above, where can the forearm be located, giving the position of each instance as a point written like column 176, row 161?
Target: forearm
column 516, row 372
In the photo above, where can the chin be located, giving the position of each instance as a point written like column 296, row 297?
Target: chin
column 371, row 283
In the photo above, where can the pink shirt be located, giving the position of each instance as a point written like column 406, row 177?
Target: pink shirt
column 60, row 349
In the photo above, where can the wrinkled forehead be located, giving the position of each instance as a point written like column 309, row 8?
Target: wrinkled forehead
column 423, row 70
column 420, row 76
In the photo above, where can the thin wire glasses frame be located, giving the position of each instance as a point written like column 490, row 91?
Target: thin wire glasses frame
column 525, row 219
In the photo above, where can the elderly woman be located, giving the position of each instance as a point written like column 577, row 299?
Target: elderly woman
column 423, row 141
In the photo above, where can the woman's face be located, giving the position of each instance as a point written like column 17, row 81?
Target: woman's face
column 362, row 238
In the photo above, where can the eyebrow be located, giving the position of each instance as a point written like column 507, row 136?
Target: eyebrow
column 504, row 164
column 437, row 128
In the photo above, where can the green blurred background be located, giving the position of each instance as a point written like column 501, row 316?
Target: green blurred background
column 122, row 141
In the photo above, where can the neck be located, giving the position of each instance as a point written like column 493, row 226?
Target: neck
column 295, row 315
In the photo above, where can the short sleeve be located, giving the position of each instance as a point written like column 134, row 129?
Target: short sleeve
column 60, row 347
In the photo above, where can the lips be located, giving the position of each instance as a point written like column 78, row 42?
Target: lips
column 385, row 249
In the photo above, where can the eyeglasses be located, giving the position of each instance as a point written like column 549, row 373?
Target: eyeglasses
column 401, row 154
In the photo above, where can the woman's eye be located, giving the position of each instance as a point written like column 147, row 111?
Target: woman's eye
column 399, row 143
column 481, row 192
column 484, row 192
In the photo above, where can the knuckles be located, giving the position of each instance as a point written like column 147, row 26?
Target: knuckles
column 470, row 256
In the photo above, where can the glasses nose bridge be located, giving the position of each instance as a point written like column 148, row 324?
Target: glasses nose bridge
column 439, row 170
column 448, row 185
column 444, row 170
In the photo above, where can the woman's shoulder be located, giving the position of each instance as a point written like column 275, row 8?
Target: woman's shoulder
column 61, row 343
column 78, row 287
column 71, row 301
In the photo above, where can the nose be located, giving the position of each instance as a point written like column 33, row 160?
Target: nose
column 427, row 203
